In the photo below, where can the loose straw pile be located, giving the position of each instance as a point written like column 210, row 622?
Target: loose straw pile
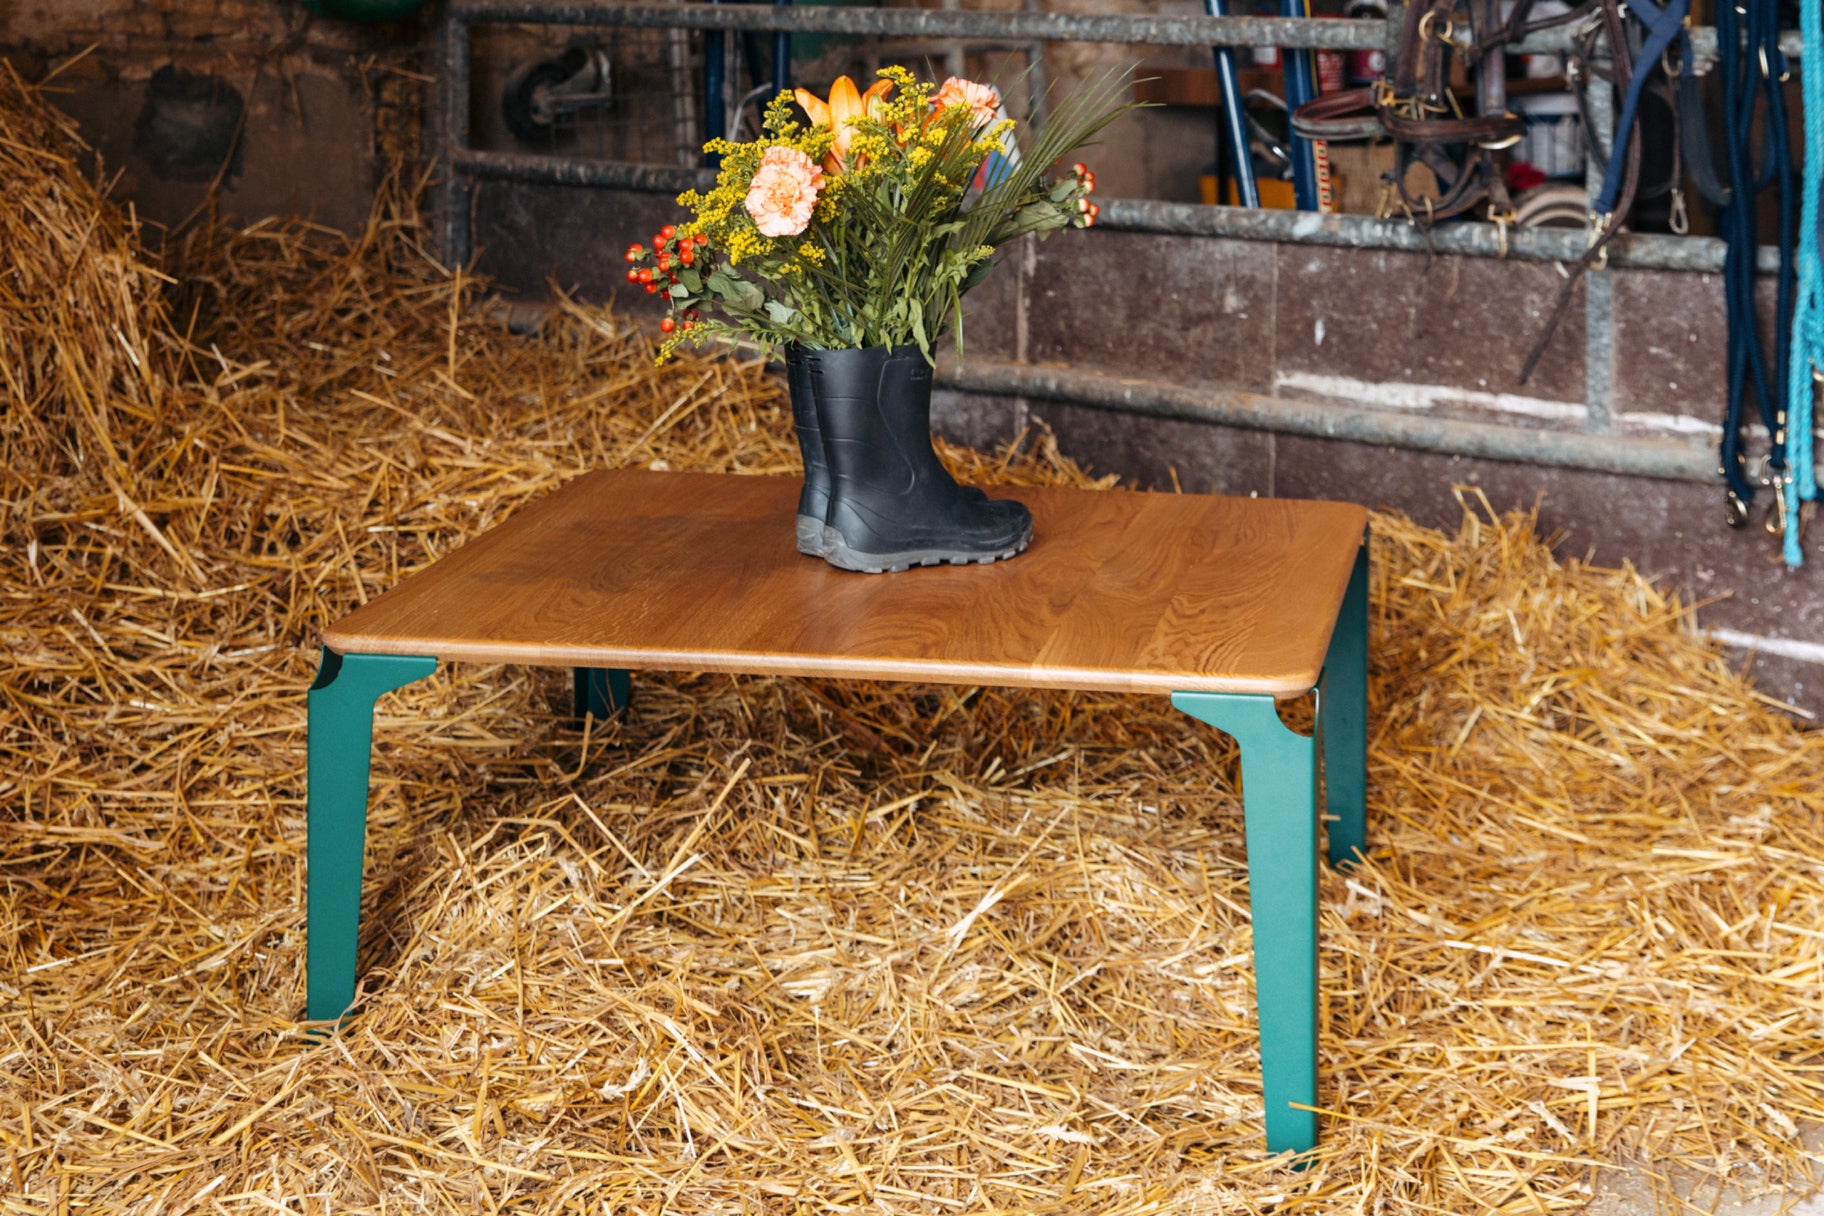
column 779, row 946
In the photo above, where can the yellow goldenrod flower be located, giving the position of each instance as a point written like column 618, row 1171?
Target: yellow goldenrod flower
column 846, row 104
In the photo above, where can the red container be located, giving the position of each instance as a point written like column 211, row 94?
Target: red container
column 1330, row 71
column 1367, row 66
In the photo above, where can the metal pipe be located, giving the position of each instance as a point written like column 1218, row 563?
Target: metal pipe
column 454, row 191
column 1601, row 143
column 782, row 55
column 983, row 26
column 1630, row 250
column 1234, row 120
column 715, row 89
column 1669, row 459
column 1639, row 251
column 1300, row 75
column 564, row 171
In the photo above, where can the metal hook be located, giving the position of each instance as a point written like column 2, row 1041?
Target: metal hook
column 1775, row 523
column 1501, row 220
column 1599, row 225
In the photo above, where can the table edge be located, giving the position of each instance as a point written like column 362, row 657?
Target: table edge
column 826, row 667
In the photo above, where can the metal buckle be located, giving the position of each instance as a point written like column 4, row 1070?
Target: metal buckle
column 1599, row 226
column 1425, row 24
column 1735, row 511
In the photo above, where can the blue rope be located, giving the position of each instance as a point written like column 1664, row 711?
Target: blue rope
column 1749, row 67
column 1808, row 315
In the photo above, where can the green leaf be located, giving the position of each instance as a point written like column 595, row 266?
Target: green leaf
column 691, row 279
column 746, row 295
column 781, row 314
column 975, row 277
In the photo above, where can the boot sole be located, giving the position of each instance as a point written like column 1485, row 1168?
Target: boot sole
column 839, row 554
column 810, row 537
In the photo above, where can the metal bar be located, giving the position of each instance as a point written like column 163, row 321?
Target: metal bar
column 1004, row 26
column 1632, row 251
column 1300, row 74
column 1663, row 458
column 1601, row 145
column 1234, row 120
column 454, row 190
column 715, row 89
column 782, row 55
column 564, row 171
column 1639, row 251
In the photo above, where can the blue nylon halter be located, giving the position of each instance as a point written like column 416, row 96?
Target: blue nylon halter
column 1665, row 27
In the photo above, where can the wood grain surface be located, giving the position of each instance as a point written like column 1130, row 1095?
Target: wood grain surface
column 1120, row 591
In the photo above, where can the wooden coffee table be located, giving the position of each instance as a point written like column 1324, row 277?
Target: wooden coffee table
column 1225, row 604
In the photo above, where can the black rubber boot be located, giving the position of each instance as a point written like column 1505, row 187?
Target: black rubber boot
column 814, row 499
column 892, row 502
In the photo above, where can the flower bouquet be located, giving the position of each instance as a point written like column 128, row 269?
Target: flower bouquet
column 850, row 241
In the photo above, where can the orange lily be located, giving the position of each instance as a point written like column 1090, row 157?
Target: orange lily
column 846, row 104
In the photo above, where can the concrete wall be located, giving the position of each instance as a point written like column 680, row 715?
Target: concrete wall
column 1402, row 333
column 1391, row 331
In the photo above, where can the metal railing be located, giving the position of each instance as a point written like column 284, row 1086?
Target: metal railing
column 465, row 165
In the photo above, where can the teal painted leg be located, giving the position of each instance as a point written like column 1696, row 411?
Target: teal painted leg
column 341, row 738
column 600, row 691
column 1343, row 722
column 1279, row 800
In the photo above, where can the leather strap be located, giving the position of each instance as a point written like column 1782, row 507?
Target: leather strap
column 1340, row 117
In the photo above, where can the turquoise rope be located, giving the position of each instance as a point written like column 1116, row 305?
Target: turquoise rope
column 1808, row 314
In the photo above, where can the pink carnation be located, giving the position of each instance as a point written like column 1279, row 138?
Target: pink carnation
column 983, row 100
column 783, row 192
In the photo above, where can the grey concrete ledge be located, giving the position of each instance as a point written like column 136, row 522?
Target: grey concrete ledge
column 1670, row 459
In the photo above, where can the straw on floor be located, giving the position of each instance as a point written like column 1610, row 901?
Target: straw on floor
column 774, row 946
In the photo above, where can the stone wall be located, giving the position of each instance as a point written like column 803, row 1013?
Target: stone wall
column 324, row 105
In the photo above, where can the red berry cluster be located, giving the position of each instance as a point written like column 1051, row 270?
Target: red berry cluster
column 1086, row 210
column 670, row 253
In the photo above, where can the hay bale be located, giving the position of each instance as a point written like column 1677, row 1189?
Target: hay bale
column 798, row 946
column 81, row 370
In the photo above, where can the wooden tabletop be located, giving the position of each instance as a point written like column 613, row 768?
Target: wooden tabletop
column 697, row 572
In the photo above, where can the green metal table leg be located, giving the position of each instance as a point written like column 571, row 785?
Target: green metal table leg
column 600, row 691
column 341, row 740
column 1343, row 722
column 1279, row 801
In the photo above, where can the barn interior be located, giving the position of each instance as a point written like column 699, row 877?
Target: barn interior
column 301, row 295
